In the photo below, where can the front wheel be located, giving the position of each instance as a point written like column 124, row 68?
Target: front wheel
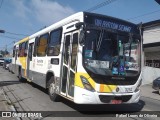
column 51, row 90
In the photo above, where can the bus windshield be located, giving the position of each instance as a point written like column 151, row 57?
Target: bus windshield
column 111, row 54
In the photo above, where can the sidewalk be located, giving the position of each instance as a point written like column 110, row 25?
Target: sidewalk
column 4, row 105
column 149, row 92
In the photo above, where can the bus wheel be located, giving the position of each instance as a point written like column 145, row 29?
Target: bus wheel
column 51, row 90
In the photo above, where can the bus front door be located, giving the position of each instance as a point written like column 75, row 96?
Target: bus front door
column 69, row 64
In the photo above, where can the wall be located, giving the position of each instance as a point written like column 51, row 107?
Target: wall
column 151, row 35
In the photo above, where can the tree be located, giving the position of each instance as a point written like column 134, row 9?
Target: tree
column 4, row 52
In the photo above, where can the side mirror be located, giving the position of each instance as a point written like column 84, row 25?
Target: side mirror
column 78, row 25
column 81, row 37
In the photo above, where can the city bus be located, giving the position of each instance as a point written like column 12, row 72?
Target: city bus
column 86, row 58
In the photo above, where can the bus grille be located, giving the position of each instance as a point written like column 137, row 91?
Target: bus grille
column 108, row 98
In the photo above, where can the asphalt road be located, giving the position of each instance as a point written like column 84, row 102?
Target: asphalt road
column 27, row 96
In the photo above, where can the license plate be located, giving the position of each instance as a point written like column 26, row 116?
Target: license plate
column 116, row 101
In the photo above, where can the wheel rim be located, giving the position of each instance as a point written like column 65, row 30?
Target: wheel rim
column 52, row 89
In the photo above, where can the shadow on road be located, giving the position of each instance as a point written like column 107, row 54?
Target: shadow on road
column 155, row 92
column 106, row 108
column 6, row 83
column 103, row 109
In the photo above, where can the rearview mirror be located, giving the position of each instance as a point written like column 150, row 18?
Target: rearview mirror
column 81, row 37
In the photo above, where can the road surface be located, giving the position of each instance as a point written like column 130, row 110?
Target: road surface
column 27, row 96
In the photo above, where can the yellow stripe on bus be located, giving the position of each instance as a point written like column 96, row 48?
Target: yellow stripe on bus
column 107, row 88
column 78, row 81
column 23, row 62
column 23, row 40
column 102, row 87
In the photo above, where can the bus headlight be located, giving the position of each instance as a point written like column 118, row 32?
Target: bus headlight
column 86, row 84
column 138, row 86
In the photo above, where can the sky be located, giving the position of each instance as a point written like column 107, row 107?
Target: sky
column 20, row 18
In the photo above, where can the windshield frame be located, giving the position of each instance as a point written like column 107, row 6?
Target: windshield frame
column 117, row 33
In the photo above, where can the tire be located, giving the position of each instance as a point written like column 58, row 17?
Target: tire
column 159, row 91
column 51, row 90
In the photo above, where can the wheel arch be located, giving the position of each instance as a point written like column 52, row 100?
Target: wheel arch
column 49, row 74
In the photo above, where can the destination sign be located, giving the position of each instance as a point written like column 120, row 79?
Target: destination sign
column 112, row 25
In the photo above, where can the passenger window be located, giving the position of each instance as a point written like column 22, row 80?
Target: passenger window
column 22, row 49
column 26, row 49
column 42, row 45
column 54, row 43
column 35, row 46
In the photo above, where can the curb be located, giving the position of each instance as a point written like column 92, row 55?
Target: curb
column 9, row 103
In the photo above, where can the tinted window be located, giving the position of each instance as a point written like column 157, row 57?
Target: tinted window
column 42, row 45
column 54, row 43
column 35, row 46
column 21, row 49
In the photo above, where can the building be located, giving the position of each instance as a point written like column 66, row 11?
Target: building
column 151, row 45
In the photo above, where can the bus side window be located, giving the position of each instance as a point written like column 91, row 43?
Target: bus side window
column 26, row 49
column 22, row 49
column 54, row 43
column 42, row 45
column 35, row 46
column 19, row 50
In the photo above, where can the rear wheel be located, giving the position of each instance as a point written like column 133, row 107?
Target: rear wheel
column 51, row 90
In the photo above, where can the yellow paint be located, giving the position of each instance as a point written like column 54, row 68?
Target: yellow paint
column 102, row 87
column 23, row 61
column 23, row 40
column 78, row 81
column 107, row 88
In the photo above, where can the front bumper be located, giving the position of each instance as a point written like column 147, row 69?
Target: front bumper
column 83, row 96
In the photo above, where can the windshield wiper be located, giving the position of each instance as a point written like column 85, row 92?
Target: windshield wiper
column 100, row 40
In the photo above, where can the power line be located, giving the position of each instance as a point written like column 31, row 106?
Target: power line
column 16, row 33
column 11, row 37
column 144, row 15
column 100, row 5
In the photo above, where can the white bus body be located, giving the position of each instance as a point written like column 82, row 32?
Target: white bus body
column 56, row 58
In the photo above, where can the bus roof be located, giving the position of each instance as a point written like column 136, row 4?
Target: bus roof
column 75, row 17
column 81, row 17
column 22, row 40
